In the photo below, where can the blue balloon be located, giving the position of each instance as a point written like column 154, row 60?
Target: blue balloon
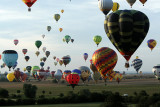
column 41, row 64
column 77, row 71
column 15, row 65
column 67, row 71
column 9, row 57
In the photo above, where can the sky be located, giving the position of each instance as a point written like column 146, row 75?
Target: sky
column 82, row 20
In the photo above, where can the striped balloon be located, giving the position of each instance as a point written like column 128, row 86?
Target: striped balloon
column 151, row 43
column 126, row 29
column 115, row 6
column 105, row 60
column 137, row 63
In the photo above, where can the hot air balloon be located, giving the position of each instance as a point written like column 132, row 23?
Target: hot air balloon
column 24, row 51
column 115, row 6
column 0, row 56
column 72, row 40
column 143, row 1
column 85, row 73
column 93, row 68
column 57, row 59
column 151, row 43
column 14, row 66
column 60, row 29
column 38, row 44
column 29, row 3
column 118, row 77
column 85, row 56
column 60, row 62
column 15, row 41
column 66, row 60
column 49, row 28
column 156, row 71
column 105, row 5
column 128, row 34
column 26, row 58
column 96, row 76
column 44, row 49
column 54, row 57
column 34, row 71
column 37, row 53
column 76, row 71
column 62, row 11
column 24, row 69
column 137, row 63
column 65, row 73
column 57, row 17
column 105, row 60
column 28, row 68
column 23, row 77
column 44, row 59
column 55, row 63
column 41, row 73
column 9, row 57
column 17, row 75
column 10, row 77
column 58, row 75
column 67, row 38
column 47, row 53
column 64, row 40
column 91, row 61
column 52, row 73
column 42, row 64
column 73, row 79
column 43, row 36
column 97, row 39
column 131, row 2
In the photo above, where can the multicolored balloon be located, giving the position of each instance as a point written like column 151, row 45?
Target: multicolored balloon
column 29, row 3
column 105, row 5
column 85, row 56
column 15, row 41
column 137, row 64
column 105, row 60
column 67, row 38
column 151, row 43
column 24, row 51
column 66, row 60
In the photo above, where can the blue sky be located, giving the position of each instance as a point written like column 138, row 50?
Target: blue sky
column 81, row 19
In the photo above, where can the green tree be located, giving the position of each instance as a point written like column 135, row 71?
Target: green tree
column 30, row 90
column 3, row 93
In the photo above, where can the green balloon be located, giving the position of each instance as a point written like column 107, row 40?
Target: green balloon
column 97, row 39
column 67, row 38
column 38, row 43
column 57, row 17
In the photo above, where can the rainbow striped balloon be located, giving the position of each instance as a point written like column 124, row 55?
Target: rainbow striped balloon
column 151, row 43
column 105, row 60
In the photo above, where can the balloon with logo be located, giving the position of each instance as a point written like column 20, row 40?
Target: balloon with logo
column 105, row 60
column 137, row 64
column 37, row 53
column 15, row 41
column 125, row 38
column 151, row 43
column 131, row 2
column 41, row 73
column 9, row 57
column 24, row 51
column 66, row 60
column 85, row 73
column 97, row 39
column 105, row 5
column 85, row 56
column 57, row 17
column 38, row 44
column 115, row 6
column 73, row 79
column 49, row 28
column 67, row 38
column 29, row 3
column 10, row 77
column 26, row 58
column 47, row 54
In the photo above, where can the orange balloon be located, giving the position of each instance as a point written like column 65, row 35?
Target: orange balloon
column 62, row 11
column 60, row 29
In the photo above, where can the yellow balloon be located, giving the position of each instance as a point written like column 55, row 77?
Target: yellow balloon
column 24, row 69
column 10, row 77
column 60, row 29
column 115, row 6
column 62, row 11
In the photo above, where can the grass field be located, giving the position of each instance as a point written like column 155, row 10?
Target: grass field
column 125, row 87
column 66, row 105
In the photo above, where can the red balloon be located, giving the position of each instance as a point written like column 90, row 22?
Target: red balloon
column 73, row 79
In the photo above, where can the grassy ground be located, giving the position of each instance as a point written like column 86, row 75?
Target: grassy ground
column 66, row 105
column 125, row 87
